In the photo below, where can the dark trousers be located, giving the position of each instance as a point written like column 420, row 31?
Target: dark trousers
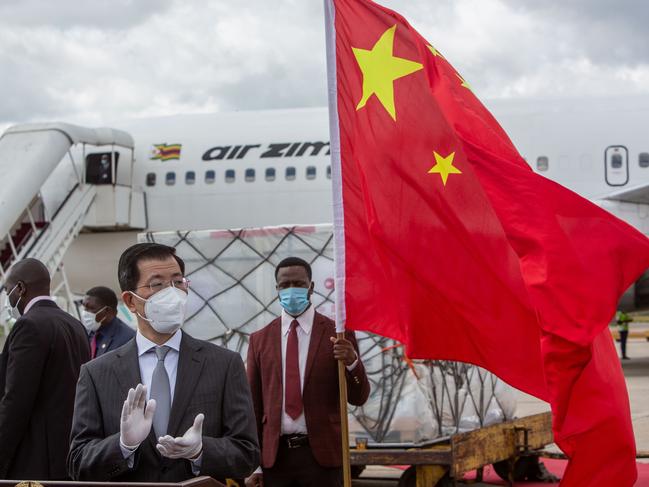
column 297, row 467
column 623, row 336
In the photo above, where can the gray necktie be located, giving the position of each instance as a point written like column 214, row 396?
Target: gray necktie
column 161, row 392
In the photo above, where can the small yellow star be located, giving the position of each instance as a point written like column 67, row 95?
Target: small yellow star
column 464, row 83
column 434, row 51
column 444, row 166
column 380, row 69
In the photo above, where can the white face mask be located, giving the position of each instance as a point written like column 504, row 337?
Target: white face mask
column 165, row 310
column 89, row 319
column 14, row 312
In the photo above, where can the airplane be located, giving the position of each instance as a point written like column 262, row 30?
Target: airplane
column 267, row 168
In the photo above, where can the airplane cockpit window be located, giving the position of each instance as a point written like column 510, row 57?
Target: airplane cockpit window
column 210, row 177
column 229, row 176
column 249, row 175
column 643, row 159
column 99, row 167
column 328, row 172
column 170, row 178
column 270, row 174
column 150, row 179
column 310, row 172
column 542, row 163
column 290, row 173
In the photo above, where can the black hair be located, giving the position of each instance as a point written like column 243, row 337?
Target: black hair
column 104, row 295
column 293, row 261
column 128, row 273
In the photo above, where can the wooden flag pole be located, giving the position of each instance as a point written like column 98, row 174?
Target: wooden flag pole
column 344, row 425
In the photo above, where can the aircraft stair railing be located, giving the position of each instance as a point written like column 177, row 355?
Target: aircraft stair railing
column 29, row 155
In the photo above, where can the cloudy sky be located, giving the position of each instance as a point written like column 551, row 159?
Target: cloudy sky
column 94, row 61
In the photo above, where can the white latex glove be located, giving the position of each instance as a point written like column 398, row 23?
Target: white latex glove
column 188, row 446
column 137, row 417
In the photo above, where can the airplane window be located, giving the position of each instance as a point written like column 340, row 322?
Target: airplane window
column 190, row 177
column 643, row 159
column 542, row 163
column 250, row 175
column 229, row 176
column 310, row 172
column 290, row 173
column 328, row 172
column 170, row 178
column 616, row 161
column 270, row 174
column 210, row 177
column 150, row 179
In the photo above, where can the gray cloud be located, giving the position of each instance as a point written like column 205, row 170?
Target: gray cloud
column 117, row 59
column 63, row 14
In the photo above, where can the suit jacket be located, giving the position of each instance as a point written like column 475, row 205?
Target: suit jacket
column 113, row 335
column 39, row 368
column 320, row 395
column 210, row 380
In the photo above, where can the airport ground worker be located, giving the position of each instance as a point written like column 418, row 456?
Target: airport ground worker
column 39, row 368
column 106, row 331
column 293, row 375
column 165, row 407
column 622, row 319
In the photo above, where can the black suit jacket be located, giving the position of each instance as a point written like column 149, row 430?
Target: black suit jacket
column 210, row 380
column 113, row 335
column 39, row 368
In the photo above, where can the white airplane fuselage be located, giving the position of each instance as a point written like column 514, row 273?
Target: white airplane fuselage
column 252, row 169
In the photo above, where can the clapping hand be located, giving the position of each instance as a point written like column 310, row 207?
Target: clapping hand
column 188, row 446
column 137, row 417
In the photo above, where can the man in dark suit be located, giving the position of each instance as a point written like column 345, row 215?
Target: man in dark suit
column 39, row 368
column 188, row 409
column 106, row 331
column 293, row 375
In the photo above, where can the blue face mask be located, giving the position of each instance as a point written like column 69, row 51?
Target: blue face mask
column 294, row 300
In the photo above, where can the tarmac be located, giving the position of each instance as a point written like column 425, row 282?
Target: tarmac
column 636, row 372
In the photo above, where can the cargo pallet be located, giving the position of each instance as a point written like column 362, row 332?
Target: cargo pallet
column 512, row 447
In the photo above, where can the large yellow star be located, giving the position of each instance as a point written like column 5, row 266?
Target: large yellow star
column 444, row 166
column 380, row 69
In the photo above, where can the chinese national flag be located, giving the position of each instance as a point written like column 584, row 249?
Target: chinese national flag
column 447, row 241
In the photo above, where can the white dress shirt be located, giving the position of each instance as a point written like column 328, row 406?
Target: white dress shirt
column 292, row 426
column 148, row 360
column 36, row 300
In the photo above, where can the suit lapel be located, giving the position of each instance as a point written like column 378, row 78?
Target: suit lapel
column 190, row 364
column 317, row 333
column 276, row 349
column 127, row 368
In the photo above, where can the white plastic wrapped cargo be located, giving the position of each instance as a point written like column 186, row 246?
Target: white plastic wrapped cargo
column 232, row 294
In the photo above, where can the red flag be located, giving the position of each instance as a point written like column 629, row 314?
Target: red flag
column 447, row 241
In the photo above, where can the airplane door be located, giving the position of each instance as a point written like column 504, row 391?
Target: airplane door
column 616, row 165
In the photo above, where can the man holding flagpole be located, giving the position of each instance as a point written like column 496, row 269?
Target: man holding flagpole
column 293, row 375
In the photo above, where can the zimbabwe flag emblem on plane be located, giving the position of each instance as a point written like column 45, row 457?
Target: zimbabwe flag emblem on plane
column 165, row 152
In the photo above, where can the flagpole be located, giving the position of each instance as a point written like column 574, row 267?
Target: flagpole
column 344, row 425
column 339, row 227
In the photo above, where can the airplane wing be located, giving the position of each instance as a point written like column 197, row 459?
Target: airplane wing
column 637, row 194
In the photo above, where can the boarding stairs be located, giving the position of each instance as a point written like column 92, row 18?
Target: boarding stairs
column 41, row 227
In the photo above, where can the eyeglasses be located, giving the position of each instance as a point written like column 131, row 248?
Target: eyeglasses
column 159, row 285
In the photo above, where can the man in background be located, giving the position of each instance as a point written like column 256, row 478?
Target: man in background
column 39, row 368
column 293, row 375
column 622, row 319
column 106, row 331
